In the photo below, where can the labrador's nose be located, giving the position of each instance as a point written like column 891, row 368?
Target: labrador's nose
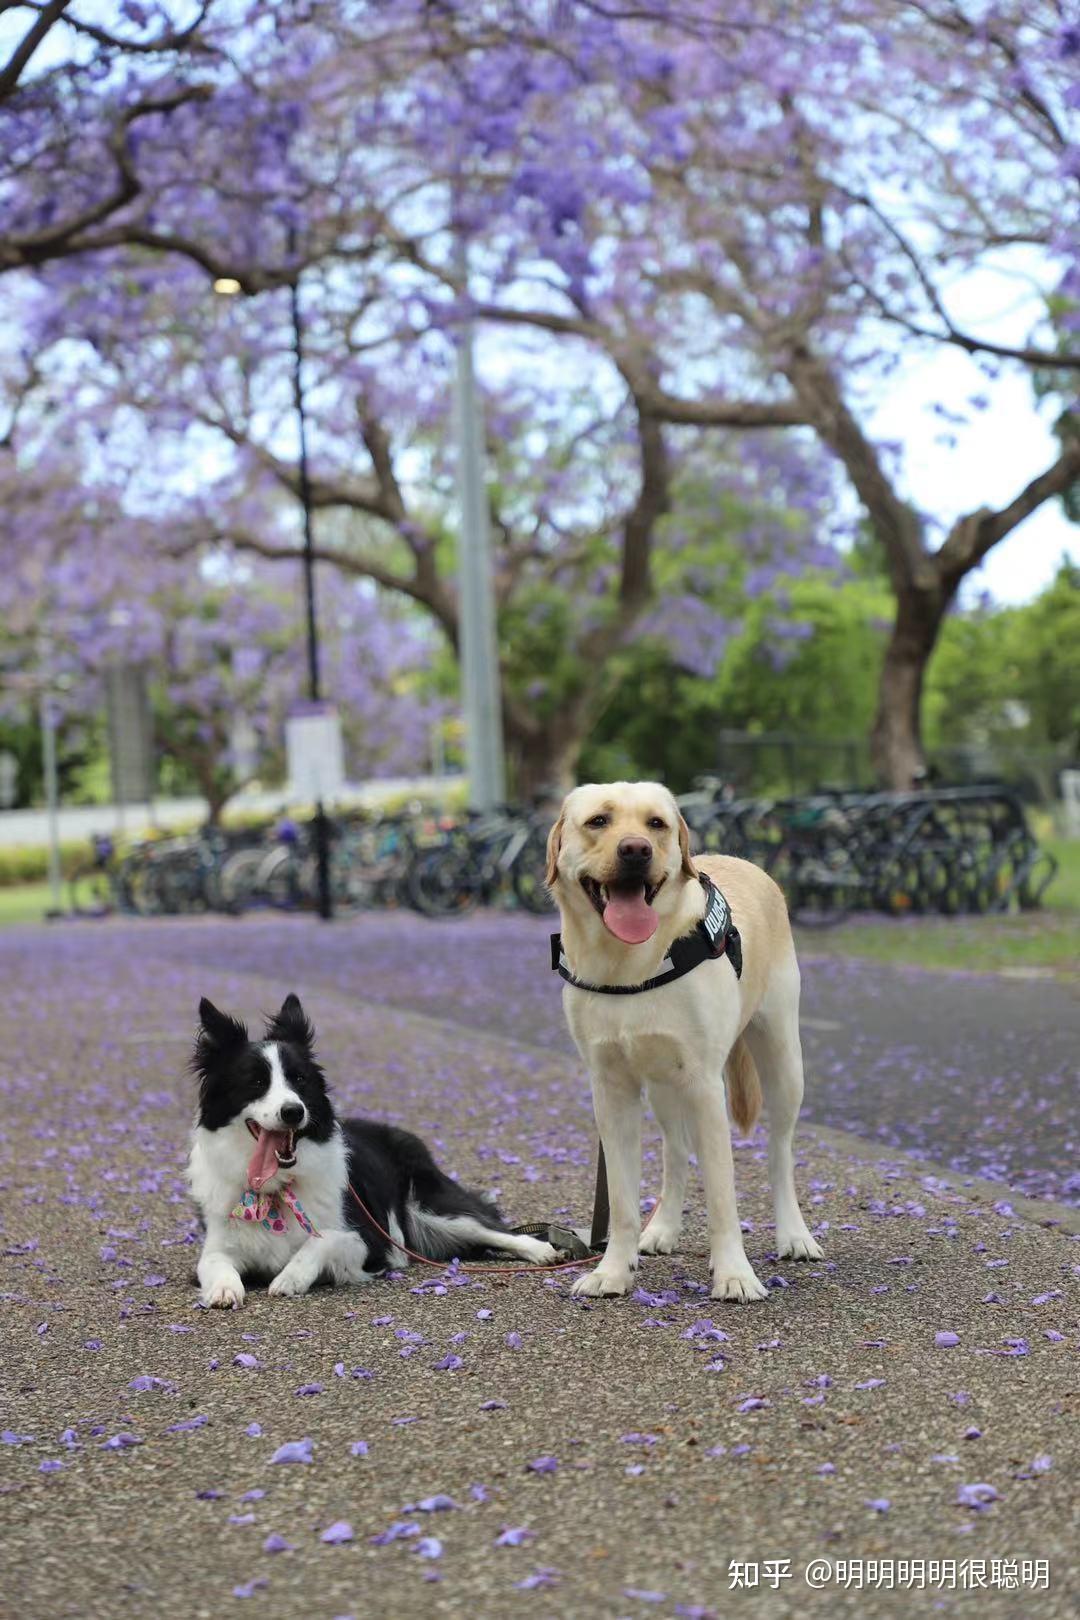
column 291, row 1114
column 635, row 851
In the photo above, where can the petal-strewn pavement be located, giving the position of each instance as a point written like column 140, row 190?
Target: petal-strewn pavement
column 484, row 1445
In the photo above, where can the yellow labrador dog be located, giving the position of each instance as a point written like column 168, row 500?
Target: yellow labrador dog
column 629, row 894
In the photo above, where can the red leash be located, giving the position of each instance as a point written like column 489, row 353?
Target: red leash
column 483, row 1269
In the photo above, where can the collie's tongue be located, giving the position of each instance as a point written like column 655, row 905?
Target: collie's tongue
column 629, row 917
column 263, row 1162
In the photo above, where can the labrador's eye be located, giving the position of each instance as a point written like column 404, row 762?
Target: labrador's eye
column 656, row 823
column 597, row 821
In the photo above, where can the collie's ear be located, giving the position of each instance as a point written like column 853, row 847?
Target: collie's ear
column 218, row 1030
column 291, row 1023
column 688, row 867
column 554, row 845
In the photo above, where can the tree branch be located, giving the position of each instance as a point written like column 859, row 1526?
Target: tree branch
column 20, row 57
column 971, row 537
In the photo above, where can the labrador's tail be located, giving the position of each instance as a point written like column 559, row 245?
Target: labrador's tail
column 743, row 1087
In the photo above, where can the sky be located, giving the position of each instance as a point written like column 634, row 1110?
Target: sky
column 1000, row 448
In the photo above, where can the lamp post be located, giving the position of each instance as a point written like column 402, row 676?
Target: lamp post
column 479, row 642
column 229, row 287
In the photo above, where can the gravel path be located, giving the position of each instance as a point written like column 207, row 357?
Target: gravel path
column 486, row 1445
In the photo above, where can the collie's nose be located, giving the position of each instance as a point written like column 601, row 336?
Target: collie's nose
column 635, row 851
column 292, row 1114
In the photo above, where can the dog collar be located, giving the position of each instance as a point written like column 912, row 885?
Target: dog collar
column 715, row 935
column 266, row 1208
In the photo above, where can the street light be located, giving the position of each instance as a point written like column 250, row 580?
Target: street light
column 479, row 636
column 228, row 287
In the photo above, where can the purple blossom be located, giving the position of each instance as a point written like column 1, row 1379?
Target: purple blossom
column 977, row 1496
column 340, row 1531
column 543, row 1465
column 513, row 1536
column 294, row 1451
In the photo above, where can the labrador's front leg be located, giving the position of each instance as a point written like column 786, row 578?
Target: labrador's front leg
column 733, row 1276
column 617, row 1104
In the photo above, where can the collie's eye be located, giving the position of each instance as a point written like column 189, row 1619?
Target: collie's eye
column 597, row 821
column 656, row 823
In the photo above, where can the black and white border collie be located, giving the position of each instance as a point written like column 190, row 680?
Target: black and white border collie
column 271, row 1164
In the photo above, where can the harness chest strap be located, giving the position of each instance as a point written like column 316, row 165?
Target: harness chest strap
column 715, row 935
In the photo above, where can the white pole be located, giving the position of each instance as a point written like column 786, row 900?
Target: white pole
column 52, row 796
column 479, row 645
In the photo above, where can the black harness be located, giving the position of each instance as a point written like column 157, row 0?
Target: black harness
column 715, row 935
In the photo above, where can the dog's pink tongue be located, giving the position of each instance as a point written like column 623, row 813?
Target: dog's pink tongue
column 263, row 1162
column 628, row 916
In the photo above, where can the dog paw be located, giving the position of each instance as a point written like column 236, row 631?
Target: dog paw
column 225, row 1295
column 659, row 1239
column 538, row 1253
column 738, row 1285
column 599, row 1282
column 799, row 1246
column 288, row 1287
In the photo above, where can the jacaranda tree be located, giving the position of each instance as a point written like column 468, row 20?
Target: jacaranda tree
column 685, row 221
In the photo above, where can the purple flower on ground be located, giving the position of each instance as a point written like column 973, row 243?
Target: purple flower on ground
column 254, row 1430
column 880, row 1504
column 275, row 1543
column 493, row 1406
column 309, row 1389
column 752, row 1403
column 294, row 1451
column 639, row 1439
column 539, row 1577
column 513, row 1536
column 189, row 1425
column 49, row 1466
column 341, row 1530
column 513, row 1341
column 945, row 1341
column 436, row 1504
column 543, row 1465
column 243, row 1359
column 120, row 1442
column 643, row 1596
column 429, row 1547
column 448, row 1364
column 250, row 1588
column 359, row 1448
column 398, row 1531
column 977, row 1496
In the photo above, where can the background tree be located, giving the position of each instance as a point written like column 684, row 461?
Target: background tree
column 701, row 219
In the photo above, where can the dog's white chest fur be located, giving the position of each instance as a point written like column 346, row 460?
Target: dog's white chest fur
column 217, row 1175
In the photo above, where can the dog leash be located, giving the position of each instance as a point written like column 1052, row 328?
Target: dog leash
column 483, row 1269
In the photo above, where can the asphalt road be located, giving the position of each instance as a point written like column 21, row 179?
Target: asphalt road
column 485, row 1445
column 978, row 1072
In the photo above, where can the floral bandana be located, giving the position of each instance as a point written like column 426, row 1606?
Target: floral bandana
column 266, row 1209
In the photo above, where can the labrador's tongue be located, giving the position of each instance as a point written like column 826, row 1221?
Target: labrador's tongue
column 629, row 917
column 263, row 1162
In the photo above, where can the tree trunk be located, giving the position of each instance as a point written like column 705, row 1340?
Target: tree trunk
column 543, row 760
column 896, row 739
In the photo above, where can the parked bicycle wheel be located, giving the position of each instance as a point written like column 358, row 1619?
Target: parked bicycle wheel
column 445, row 882
column 528, row 876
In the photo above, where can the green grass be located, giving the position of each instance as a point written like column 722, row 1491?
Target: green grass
column 1064, row 893
column 26, row 902
column 1037, row 940
column 1048, row 939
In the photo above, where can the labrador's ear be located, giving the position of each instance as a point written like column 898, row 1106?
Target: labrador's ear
column 688, row 867
column 554, row 845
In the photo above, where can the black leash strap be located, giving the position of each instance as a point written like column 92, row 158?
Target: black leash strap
column 601, row 1207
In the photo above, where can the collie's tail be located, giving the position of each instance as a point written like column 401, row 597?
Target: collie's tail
column 743, row 1087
